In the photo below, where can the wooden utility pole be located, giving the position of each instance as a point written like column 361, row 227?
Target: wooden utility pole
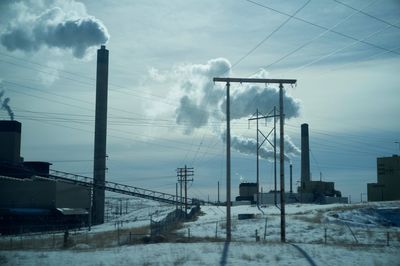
column 228, row 146
column 183, row 174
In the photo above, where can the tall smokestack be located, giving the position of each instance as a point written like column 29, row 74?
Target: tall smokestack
column 100, row 135
column 10, row 141
column 305, row 155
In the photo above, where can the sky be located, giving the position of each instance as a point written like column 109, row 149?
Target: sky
column 164, row 110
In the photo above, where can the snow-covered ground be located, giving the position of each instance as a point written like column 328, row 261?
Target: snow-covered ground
column 355, row 234
column 237, row 253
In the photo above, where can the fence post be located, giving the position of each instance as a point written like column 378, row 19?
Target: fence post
column 325, row 235
column 257, row 237
column 11, row 243
column 265, row 229
column 387, row 238
column 189, row 233
column 216, row 230
column 130, row 237
column 118, row 232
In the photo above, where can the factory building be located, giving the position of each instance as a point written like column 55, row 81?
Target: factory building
column 29, row 200
column 388, row 186
column 247, row 191
column 309, row 191
column 318, row 189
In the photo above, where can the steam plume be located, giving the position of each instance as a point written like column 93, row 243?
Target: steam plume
column 5, row 105
column 202, row 101
column 64, row 25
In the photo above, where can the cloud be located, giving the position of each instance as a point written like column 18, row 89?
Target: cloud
column 51, row 73
column 61, row 24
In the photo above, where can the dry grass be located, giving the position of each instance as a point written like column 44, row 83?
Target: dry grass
column 92, row 240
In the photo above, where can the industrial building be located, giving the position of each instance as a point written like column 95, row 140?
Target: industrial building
column 247, row 192
column 309, row 191
column 29, row 200
column 388, row 186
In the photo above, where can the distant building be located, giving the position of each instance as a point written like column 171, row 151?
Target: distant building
column 247, row 191
column 388, row 186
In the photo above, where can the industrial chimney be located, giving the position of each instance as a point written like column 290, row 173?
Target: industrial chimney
column 100, row 136
column 10, row 141
column 305, row 155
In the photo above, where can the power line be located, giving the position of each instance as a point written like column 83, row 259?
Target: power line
column 338, row 50
column 138, row 94
column 367, row 14
column 323, row 27
column 312, row 40
column 269, row 35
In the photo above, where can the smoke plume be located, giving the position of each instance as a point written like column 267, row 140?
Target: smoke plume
column 59, row 24
column 248, row 146
column 5, row 106
column 201, row 102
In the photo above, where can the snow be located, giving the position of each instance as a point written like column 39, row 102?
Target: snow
column 208, row 254
column 356, row 234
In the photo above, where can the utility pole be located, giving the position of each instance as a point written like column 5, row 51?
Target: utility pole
column 176, row 195
column 275, row 188
column 282, row 163
column 183, row 174
column 218, row 192
column 291, row 174
column 228, row 145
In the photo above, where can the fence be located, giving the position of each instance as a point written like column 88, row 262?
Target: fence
column 263, row 229
column 74, row 239
column 84, row 239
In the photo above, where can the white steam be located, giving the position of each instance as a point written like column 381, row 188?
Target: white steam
column 201, row 102
column 58, row 24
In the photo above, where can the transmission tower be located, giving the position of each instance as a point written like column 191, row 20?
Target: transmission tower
column 257, row 116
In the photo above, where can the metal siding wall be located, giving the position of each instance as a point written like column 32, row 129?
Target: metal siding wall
column 27, row 194
column 72, row 196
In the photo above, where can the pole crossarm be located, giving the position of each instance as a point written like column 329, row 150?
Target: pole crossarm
column 255, row 80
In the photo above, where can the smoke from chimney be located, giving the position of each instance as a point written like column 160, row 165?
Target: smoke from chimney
column 5, row 106
column 58, row 24
column 248, row 146
column 202, row 103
